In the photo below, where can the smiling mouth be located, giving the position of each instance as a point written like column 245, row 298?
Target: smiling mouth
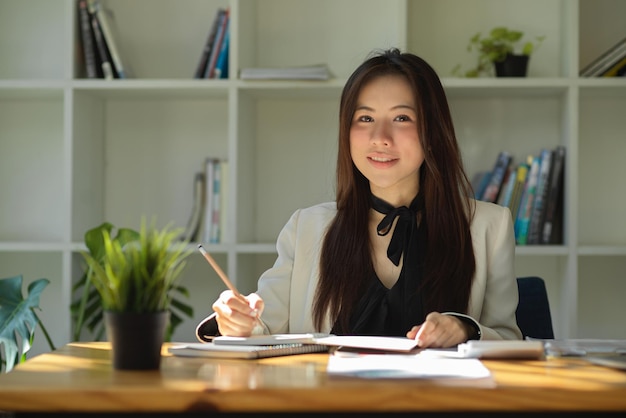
column 381, row 159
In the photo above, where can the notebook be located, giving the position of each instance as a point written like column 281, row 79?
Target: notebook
column 212, row 350
column 273, row 339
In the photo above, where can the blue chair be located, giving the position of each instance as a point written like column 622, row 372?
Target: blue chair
column 533, row 310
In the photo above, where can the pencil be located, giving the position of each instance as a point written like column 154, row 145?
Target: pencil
column 219, row 271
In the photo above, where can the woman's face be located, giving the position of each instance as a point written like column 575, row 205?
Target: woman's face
column 384, row 143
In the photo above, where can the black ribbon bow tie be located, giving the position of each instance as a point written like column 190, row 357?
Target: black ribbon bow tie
column 405, row 227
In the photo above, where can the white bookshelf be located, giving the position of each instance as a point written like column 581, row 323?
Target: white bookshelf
column 76, row 152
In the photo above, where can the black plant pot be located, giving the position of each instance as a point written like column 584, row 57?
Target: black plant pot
column 512, row 66
column 136, row 338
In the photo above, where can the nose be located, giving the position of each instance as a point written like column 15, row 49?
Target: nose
column 381, row 135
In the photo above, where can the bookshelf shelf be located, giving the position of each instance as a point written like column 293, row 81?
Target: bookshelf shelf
column 76, row 151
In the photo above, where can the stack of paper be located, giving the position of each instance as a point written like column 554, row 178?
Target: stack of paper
column 407, row 366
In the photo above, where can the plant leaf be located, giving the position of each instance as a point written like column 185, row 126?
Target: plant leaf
column 18, row 320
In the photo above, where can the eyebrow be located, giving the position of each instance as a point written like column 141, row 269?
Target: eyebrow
column 401, row 106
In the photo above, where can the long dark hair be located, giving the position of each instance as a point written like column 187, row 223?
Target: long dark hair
column 346, row 260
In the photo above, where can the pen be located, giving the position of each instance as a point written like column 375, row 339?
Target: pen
column 219, row 271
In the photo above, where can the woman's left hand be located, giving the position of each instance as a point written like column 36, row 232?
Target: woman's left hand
column 439, row 331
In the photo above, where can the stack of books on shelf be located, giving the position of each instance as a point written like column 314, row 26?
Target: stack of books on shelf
column 208, row 215
column 610, row 64
column 213, row 61
column 311, row 72
column 101, row 54
column 533, row 192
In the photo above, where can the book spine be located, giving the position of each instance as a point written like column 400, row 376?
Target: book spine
column 87, row 41
column 221, row 67
column 599, row 65
column 507, row 187
column 105, row 60
column 518, row 189
column 215, row 203
column 479, row 183
column 193, row 224
column 615, row 70
column 551, row 229
column 209, row 173
column 538, row 212
column 210, row 70
column 206, row 50
column 224, row 200
column 109, row 39
column 526, row 204
column 497, row 176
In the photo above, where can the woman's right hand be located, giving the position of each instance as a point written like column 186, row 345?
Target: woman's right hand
column 237, row 316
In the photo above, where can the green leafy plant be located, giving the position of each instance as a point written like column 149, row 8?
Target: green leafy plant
column 495, row 47
column 18, row 320
column 133, row 272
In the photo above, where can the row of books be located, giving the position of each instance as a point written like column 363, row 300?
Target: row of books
column 611, row 63
column 101, row 54
column 213, row 61
column 208, row 215
column 532, row 190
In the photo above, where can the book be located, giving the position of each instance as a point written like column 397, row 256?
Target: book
column 223, row 206
column 539, row 206
column 507, row 186
column 212, row 350
column 498, row 172
column 521, row 173
column 601, row 64
column 526, row 203
column 217, row 43
column 192, row 230
column 92, row 65
column 106, row 63
column 216, row 202
column 617, row 70
column 106, row 26
column 311, row 72
column 211, row 165
column 552, row 228
column 479, row 183
column 221, row 67
column 208, row 45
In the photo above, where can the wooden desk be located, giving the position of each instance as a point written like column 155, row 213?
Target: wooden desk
column 79, row 378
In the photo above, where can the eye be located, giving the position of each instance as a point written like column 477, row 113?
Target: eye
column 364, row 118
column 403, row 118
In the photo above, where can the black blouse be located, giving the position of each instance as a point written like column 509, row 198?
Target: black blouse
column 392, row 312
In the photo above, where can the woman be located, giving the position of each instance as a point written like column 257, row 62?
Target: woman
column 403, row 251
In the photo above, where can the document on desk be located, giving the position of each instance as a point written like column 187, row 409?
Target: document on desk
column 410, row 366
column 492, row 349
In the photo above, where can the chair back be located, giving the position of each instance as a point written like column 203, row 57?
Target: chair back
column 533, row 310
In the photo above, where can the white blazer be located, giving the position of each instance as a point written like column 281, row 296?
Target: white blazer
column 288, row 288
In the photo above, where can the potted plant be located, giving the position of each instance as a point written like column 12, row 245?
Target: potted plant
column 503, row 51
column 86, row 305
column 135, row 282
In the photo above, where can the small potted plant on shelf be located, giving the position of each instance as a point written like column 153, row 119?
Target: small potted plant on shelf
column 135, row 282
column 503, row 51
